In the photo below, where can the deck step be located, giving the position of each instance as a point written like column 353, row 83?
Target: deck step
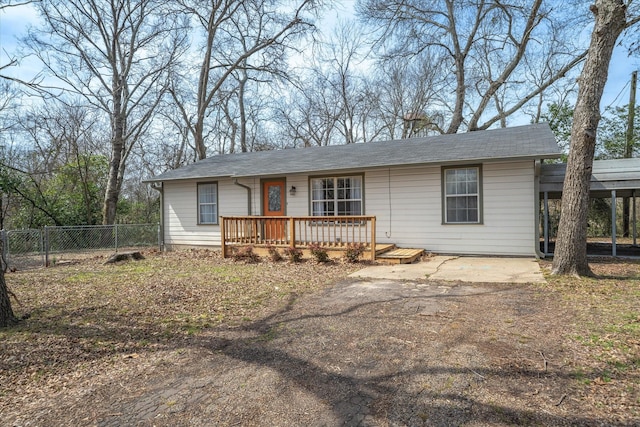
column 383, row 248
column 400, row 256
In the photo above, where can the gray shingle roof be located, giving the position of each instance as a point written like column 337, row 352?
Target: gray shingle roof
column 622, row 175
column 522, row 142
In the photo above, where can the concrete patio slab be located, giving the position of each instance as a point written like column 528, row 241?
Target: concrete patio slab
column 464, row 269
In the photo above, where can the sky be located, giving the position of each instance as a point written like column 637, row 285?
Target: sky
column 14, row 22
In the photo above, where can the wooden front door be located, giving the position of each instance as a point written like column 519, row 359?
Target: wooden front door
column 273, row 204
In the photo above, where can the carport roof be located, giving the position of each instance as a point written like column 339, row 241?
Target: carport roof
column 622, row 175
column 523, row 142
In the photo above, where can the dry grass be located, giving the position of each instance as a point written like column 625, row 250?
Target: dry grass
column 604, row 333
column 87, row 316
column 89, row 320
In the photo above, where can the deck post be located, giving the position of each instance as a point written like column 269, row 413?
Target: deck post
column 222, row 238
column 373, row 238
column 613, row 223
column 292, row 232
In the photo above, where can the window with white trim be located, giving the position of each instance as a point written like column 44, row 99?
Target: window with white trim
column 461, row 195
column 208, row 203
column 336, row 196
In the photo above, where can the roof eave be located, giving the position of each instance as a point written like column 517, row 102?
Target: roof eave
column 360, row 167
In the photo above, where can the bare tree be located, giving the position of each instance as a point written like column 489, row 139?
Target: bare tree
column 58, row 165
column 309, row 113
column 571, row 246
column 7, row 317
column 235, row 32
column 493, row 57
column 333, row 101
column 341, row 58
column 171, row 149
column 407, row 94
column 116, row 54
column 5, row 4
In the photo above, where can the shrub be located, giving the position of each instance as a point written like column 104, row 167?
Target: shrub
column 245, row 253
column 274, row 255
column 294, row 254
column 318, row 252
column 353, row 252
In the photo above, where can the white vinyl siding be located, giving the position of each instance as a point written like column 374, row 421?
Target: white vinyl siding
column 336, row 196
column 181, row 211
column 406, row 200
column 208, row 203
column 410, row 214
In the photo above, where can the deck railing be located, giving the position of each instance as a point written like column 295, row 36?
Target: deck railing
column 332, row 232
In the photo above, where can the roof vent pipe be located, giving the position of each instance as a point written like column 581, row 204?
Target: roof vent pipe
column 235, row 181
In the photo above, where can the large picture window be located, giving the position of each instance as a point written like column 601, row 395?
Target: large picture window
column 462, row 195
column 208, row 203
column 336, row 196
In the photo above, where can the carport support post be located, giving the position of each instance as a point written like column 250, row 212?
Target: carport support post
column 546, row 223
column 613, row 223
column 634, row 230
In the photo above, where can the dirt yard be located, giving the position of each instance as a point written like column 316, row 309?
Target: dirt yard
column 190, row 339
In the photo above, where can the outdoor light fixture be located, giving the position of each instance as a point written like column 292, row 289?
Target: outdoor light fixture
column 292, row 191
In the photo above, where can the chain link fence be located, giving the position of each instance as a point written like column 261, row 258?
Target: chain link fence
column 31, row 248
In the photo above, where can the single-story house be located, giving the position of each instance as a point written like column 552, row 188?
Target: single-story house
column 470, row 193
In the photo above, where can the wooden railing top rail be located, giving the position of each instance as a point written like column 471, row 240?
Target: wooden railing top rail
column 302, row 218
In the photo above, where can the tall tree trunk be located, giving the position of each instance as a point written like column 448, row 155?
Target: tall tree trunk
column 242, row 84
column 7, row 317
column 628, row 152
column 571, row 247
column 114, row 183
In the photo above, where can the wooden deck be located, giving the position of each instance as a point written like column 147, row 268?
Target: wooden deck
column 330, row 232
column 333, row 234
column 384, row 247
column 399, row 256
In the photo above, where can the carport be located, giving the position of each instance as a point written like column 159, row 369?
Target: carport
column 610, row 179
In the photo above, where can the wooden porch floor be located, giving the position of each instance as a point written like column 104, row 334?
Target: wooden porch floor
column 384, row 247
column 390, row 254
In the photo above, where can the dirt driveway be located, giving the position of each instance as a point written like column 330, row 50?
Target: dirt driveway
column 370, row 353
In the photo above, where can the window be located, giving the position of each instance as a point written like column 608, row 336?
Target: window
column 208, row 203
column 335, row 196
column 461, row 195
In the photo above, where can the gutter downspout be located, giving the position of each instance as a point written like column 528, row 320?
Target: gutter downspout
column 159, row 187
column 536, row 203
column 235, row 181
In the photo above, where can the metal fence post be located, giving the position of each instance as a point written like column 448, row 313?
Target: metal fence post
column 115, row 227
column 46, row 246
column 41, row 246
